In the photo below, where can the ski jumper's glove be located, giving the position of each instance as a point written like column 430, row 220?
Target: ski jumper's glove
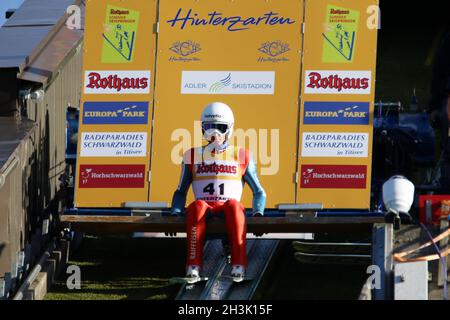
column 179, row 197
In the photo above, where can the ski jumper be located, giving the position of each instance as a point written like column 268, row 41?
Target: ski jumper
column 217, row 180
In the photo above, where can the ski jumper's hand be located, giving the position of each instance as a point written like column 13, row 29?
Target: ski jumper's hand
column 179, row 196
column 257, row 214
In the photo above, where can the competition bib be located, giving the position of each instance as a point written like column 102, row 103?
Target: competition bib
column 218, row 178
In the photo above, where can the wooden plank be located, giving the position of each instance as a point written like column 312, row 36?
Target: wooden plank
column 157, row 223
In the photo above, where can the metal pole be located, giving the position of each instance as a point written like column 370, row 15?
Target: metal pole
column 382, row 247
column 34, row 273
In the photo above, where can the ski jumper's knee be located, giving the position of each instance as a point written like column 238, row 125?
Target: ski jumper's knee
column 197, row 205
column 233, row 207
column 196, row 210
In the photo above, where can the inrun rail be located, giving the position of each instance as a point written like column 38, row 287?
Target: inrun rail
column 260, row 253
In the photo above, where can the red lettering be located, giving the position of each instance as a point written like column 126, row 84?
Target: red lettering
column 215, row 168
column 365, row 83
column 104, row 83
column 348, row 83
column 143, row 83
column 325, row 82
column 338, row 82
column 119, row 12
column 337, row 11
column 127, row 83
column 316, row 81
column 314, row 78
column 115, row 82
column 94, row 78
column 110, row 82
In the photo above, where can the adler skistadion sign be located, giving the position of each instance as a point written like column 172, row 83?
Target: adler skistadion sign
column 228, row 82
column 231, row 23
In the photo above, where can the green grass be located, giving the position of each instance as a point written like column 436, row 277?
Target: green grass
column 120, row 267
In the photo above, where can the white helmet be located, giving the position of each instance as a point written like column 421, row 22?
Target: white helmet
column 217, row 118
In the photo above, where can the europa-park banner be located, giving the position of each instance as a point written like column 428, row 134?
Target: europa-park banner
column 298, row 75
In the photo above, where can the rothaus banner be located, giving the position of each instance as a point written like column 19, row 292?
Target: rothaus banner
column 245, row 53
column 115, row 112
column 336, row 118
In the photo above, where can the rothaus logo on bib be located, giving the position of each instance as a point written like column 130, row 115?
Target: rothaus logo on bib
column 216, row 168
column 217, row 181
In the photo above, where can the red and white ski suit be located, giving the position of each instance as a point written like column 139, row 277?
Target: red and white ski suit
column 217, row 180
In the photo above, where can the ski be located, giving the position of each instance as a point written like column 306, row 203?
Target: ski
column 234, row 279
column 188, row 280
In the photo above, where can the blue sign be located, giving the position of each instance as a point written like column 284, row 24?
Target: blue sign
column 353, row 113
column 115, row 113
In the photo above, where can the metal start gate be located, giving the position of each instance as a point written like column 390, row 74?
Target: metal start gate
column 300, row 77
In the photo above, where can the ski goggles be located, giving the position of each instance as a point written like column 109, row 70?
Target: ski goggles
column 221, row 127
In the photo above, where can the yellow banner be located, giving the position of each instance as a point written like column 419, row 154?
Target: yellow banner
column 336, row 118
column 250, row 55
column 243, row 53
column 116, row 107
